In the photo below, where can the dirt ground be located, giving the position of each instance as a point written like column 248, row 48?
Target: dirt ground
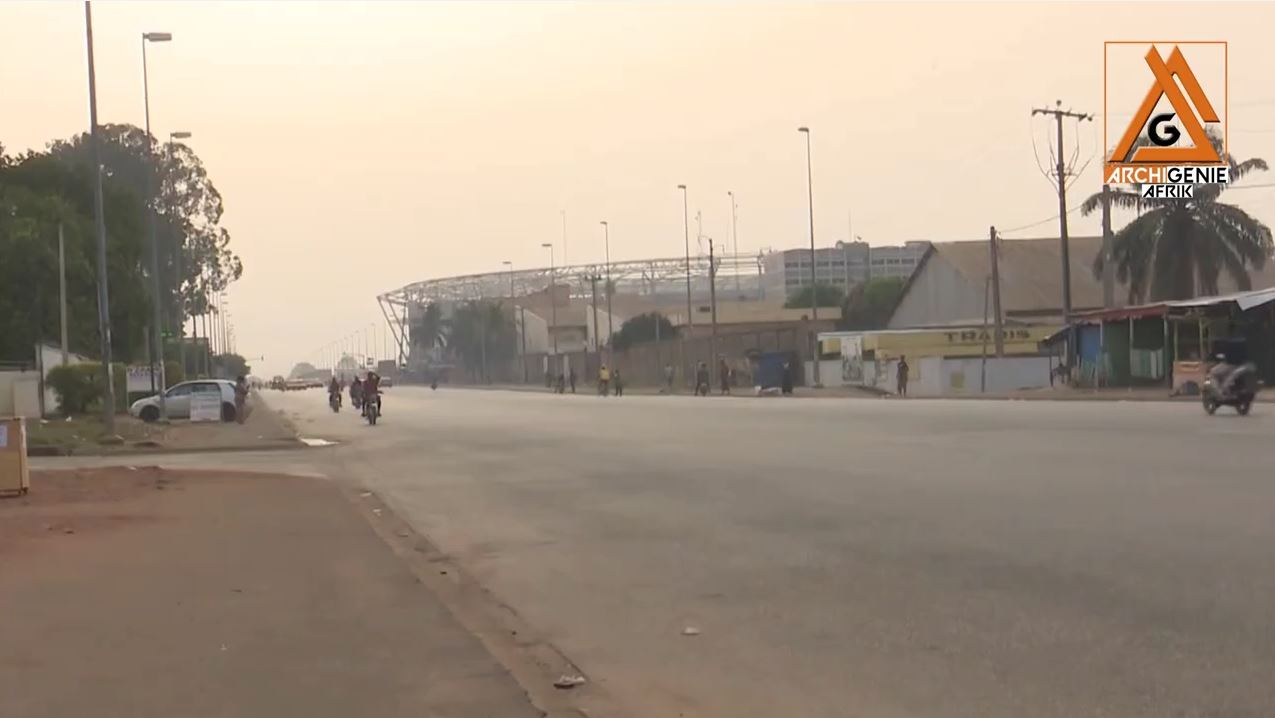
column 136, row 592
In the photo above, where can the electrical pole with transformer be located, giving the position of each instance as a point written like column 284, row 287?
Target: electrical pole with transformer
column 1060, row 171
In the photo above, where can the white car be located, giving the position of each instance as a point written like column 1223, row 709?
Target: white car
column 177, row 400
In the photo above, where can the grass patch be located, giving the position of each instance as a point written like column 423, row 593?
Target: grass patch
column 84, row 431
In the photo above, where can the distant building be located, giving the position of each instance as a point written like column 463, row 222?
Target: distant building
column 845, row 265
column 950, row 285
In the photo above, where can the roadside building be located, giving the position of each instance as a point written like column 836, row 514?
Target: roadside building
column 950, row 285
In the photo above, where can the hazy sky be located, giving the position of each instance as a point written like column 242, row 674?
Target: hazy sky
column 360, row 147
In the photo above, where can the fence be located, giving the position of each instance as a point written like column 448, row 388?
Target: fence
column 644, row 364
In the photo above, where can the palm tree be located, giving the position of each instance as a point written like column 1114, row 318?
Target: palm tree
column 1178, row 248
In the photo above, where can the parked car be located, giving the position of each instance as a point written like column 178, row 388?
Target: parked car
column 177, row 400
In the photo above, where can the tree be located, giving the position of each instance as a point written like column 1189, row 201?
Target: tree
column 232, row 365
column 37, row 193
column 481, row 333
column 870, row 304
column 643, row 328
column 427, row 328
column 1178, row 248
column 829, row 295
column 195, row 259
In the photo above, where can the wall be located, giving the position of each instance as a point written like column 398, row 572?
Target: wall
column 963, row 375
column 20, row 393
column 938, row 294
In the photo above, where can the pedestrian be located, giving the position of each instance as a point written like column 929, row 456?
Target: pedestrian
column 604, row 380
column 785, row 383
column 902, row 372
column 571, row 377
column 618, row 381
column 723, row 376
column 562, row 384
column 241, row 398
column 701, row 379
column 668, row 378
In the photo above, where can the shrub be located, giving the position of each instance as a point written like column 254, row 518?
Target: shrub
column 76, row 386
column 79, row 387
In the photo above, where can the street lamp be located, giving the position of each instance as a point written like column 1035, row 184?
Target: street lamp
column 177, row 282
column 734, row 235
column 553, row 299
column 606, row 233
column 157, row 320
column 521, row 348
column 686, row 229
column 814, row 281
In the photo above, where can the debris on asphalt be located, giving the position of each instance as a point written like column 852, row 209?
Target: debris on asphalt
column 68, row 530
column 690, row 631
column 403, row 534
column 566, row 682
column 365, row 494
column 376, row 511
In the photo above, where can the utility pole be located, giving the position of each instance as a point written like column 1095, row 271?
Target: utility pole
column 103, row 296
column 712, row 302
column 999, row 333
column 66, row 350
column 606, row 230
column 982, row 381
column 1108, row 268
column 1061, row 171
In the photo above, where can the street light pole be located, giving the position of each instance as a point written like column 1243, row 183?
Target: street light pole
column 606, row 233
column 513, row 314
column 686, row 229
column 553, row 301
column 178, row 280
column 103, row 296
column 814, row 277
column 157, row 322
column 734, row 235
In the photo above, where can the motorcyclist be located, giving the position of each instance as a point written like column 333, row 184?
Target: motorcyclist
column 372, row 392
column 334, row 390
column 356, row 392
column 1223, row 373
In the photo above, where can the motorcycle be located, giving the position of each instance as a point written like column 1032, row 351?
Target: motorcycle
column 1240, row 390
column 334, row 401
column 371, row 409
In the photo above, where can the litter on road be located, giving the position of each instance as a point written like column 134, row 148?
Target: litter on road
column 566, row 682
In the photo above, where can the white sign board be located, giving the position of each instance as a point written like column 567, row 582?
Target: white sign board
column 205, row 406
column 139, row 379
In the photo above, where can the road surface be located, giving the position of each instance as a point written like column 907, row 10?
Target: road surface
column 868, row 558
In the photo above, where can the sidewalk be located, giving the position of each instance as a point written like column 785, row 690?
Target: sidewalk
column 140, row 593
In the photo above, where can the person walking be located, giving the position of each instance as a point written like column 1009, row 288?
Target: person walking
column 604, row 380
column 701, row 380
column 723, row 376
column 241, row 399
column 902, row 371
column 668, row 378
column 618, row 381
column 785, row 382
column 571, row 378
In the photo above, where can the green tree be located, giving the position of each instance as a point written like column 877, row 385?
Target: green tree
column 37, row 193
column 1178, row 248
column 480, row 333
column 194, row 254
column 427, row 328
column 870, row 304
column 231, row 366
column 829, row 295
column 643, row 328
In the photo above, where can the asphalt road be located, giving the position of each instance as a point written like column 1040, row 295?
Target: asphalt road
column 854, row 557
